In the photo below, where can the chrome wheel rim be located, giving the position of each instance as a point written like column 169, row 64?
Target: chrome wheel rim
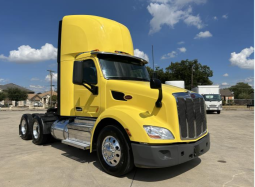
column 111, row 151
column 36, row 130
column 23, row 127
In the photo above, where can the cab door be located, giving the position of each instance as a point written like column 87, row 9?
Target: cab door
column 85, row 103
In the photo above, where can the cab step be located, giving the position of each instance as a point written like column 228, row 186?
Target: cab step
column 79, row 144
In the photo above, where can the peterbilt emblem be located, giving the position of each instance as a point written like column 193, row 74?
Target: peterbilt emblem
column 192, row 96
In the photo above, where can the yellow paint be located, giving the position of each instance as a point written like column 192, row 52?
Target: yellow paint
column 81, row 33
column 87, row 33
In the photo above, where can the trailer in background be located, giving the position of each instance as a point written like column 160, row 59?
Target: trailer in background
column 179, row 84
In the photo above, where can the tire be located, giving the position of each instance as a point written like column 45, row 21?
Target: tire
column 25, row 127
column 218, row 111
column 121, row 161
column 37, row 132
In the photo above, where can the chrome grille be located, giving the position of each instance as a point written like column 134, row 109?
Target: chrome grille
column 191, row 114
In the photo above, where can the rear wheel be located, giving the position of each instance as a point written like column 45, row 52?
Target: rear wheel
column 25, row 128
column 37, row 135
column 114, row 151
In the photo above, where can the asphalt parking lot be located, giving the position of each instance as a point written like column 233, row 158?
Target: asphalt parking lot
column 229, row 162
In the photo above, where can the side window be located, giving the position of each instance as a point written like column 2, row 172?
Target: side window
column 89, row 72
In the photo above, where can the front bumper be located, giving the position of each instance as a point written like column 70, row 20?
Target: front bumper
column 153, row 156
column 213, row 109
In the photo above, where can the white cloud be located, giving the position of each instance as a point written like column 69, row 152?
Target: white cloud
column 169, row 55
column 2, row 81
column 26, row 54
column 170, row 12
column 215, row 18
column 249, row 79
column 174, row 53
column 141, row 54
column 225, row 75
column 54, row 77
column 182, row 49
column 195, row 21
column 224, row 84
column 36, row 86
column 181, row 42
column 242, row 59
column 34, row 79
column 205, row 34
column 225, row 16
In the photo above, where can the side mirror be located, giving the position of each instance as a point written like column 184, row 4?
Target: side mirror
column 155, row 83
column 78, row 73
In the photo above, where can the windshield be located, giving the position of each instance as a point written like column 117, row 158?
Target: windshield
column 122, row 68
column 212, row 97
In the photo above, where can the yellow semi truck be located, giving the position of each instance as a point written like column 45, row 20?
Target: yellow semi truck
column 108, row 103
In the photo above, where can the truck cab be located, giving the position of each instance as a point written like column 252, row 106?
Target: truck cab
column 108, row 103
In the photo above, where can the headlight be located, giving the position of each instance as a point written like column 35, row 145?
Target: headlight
column 158, row 132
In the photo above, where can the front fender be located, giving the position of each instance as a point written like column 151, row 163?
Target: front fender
column 133, row 119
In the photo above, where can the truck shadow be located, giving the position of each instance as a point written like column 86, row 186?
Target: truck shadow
column 138, row 174
column 79, row 155
column 160, row 174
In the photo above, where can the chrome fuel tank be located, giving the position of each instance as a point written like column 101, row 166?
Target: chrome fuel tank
column 59, row 129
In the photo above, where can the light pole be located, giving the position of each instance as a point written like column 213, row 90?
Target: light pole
column 191, row 86
column 50, row 87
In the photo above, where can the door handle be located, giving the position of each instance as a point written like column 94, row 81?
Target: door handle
column 78, row 108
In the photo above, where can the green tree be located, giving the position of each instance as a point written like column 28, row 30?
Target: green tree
column 159, row 74
column 54, row 99
column 150, row 71
column 183, row 70
column 2, row 96
column 244, row 96
column 242, row 90
column 16, row 94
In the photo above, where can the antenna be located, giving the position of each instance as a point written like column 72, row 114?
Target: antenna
column 153, row 62
column 153, row 58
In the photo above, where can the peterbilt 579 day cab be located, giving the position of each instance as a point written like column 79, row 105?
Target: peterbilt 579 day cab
column 211, row 94
column 107, row 103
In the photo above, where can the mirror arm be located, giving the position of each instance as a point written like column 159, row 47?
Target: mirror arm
column 93, row 89
column 160, row 97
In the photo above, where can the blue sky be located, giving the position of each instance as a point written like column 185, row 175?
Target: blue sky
column 219, row 33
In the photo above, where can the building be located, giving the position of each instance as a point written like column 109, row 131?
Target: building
column 39, row 99
column 11, row 85
column 226, row 95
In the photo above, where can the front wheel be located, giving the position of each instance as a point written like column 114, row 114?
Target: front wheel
column 114, row 151
column 218, row 111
